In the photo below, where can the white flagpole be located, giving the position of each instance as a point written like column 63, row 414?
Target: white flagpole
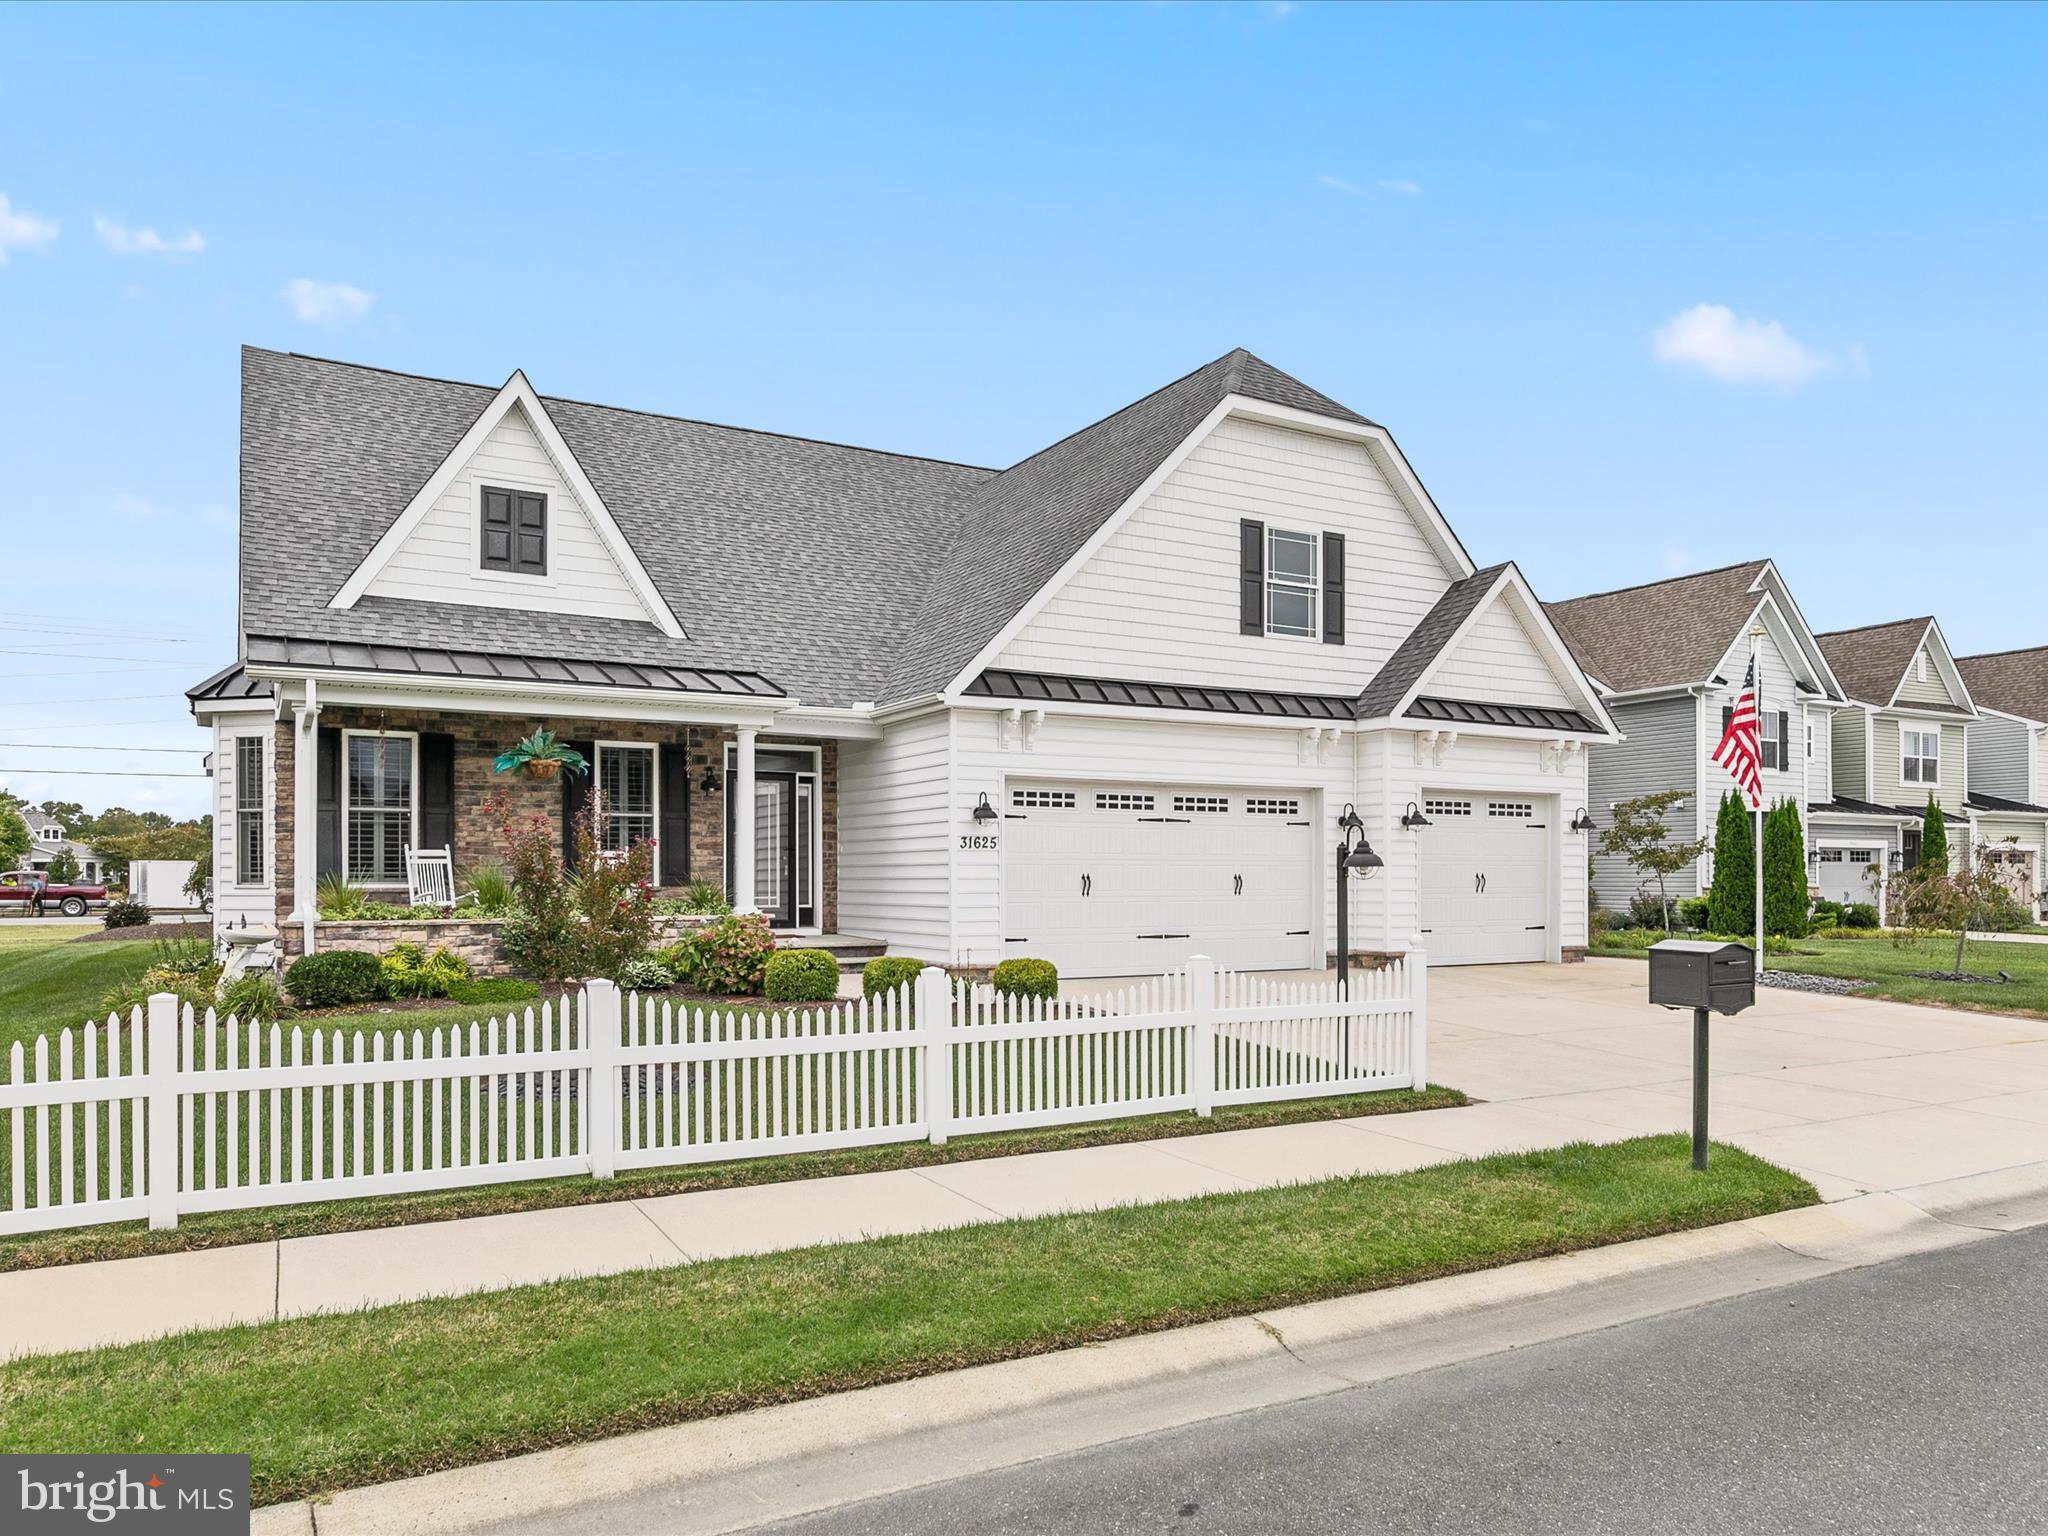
column 1756, row 635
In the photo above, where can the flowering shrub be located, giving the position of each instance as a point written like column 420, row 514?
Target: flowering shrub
column 730, row 955
column 593, row 922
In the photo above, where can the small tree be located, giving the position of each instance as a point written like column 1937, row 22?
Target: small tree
column 1785, row 904
column 13, row 838
column 63, row 868
column 1639, row 835
column 1930, row 901
column 1731, row 903
column 1934, row 837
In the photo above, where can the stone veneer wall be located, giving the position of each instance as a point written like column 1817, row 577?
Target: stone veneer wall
column 473, row 938
column 479, row 837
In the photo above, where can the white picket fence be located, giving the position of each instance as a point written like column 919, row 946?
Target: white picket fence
column 170, row 1112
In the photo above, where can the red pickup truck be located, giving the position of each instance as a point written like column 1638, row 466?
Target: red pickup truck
column 18, row 889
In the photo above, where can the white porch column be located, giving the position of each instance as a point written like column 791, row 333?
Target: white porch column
column 742, row 788
column 306, row 813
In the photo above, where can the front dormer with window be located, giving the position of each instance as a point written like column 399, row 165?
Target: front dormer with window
column 1292, row 582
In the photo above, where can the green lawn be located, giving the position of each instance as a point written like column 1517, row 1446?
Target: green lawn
column 47, row 982
column 1887, row 965
column 338, row 1401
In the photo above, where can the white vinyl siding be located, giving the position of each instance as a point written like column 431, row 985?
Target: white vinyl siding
column 895, row 836
column 235, row 904
column 1820, row 769
column 439, row 560
column 1498, row 663
column 1160, row 600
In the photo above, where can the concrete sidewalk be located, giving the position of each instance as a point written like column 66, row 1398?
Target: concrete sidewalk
column 1854, row 1094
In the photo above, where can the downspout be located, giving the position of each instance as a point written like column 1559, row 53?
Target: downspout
column 306, row 813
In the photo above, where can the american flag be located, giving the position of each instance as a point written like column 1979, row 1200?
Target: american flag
column 1740, row 752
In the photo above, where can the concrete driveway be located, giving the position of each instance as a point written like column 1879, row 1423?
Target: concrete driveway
column 1855, row 1094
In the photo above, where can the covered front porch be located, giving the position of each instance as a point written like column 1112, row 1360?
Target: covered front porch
column 731, row 784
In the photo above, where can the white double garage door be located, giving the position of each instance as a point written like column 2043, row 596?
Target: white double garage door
column 1129, row 880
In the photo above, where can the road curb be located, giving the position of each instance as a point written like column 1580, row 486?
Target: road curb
column 726, row 1473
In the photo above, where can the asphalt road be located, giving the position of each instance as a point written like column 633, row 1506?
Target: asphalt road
column 1910, row 1396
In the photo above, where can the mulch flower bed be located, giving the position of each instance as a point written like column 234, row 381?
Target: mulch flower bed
column 1965, row 979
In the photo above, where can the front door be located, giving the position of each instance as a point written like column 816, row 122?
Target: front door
column 785, row 886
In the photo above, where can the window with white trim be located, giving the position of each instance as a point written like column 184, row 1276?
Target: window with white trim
column 378, row 807
column 625, row 776
column 1293, row 582
column 249, row 789
column 1920, row 757
column 1771, row 740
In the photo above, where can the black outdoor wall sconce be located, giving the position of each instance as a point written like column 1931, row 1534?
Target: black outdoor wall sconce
column 983, row 811
column 1413, row 817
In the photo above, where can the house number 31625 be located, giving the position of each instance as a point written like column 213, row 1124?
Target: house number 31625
column 977, row 840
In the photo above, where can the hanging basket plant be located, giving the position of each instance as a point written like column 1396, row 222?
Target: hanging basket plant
column 542, row 756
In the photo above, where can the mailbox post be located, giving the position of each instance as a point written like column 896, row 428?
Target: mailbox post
column 1707, row 978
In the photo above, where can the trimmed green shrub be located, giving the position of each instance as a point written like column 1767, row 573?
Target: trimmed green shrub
column 1692, row 911
column 1732, row 898
column 727, row 956
column 1859, row 914
column 125, row 914
column 335, row 978
column 801, row 976
column 409, row 971
column 1025, row 977
column 647, row 974
column 1934, row 838
column 254, row 996
column 1784, row 871
column 889, row 973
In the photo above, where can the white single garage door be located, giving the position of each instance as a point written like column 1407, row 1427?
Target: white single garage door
column 1130, row 880
column 1843, row 874
column 1485, row 877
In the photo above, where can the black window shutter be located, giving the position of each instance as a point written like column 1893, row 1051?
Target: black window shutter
column 1727, row 714
column 575, row 797
column 1251, row 588
column 327, row 823
column 672, row 848
column 530, row 536
column 497, row 530
column 1333, row 589
column 1785, row 740
column 437, row 790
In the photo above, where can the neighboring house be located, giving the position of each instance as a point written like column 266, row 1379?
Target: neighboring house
column 1903, row 738
column 48, row 837
column 2008, row 757
column 1106, row 706
column 1669, row 658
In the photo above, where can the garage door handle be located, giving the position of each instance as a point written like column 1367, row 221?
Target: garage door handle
column 1163, row 935
column 1237, row 888
column 1087, row 885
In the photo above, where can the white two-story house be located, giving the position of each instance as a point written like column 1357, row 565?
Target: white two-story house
column 1111, row 706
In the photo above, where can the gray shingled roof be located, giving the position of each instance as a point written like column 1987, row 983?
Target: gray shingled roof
column 1022, row 526
column 1665, row 634
column 2013, row 681
column 779, row 555
column 1425, row 641
column 1871, row 662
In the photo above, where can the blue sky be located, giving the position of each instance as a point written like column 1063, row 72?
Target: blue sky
column 1639, row 290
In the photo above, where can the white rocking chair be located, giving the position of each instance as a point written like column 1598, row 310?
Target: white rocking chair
column 430, row 879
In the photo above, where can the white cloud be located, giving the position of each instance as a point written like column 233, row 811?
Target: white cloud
column 1400, row 186
column 1677, row 560
column 1339, row 184
column 141, row 240
column 1736, row 348
column 22, row 228
column 329, row 304
column 135, row 508
column 1276, row 10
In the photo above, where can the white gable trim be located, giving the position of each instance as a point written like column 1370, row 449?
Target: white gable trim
column 1533, row 618
column 516, row 393
column 1936, row 644
column 1386, row 457
column 1802, row 632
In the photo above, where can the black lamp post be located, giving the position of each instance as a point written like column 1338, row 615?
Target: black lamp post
column 1354, row 854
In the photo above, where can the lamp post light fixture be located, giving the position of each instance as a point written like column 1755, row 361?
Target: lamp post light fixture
column 983, row 811
column 1413, row 817
column 1583, row 822
column 1354, row 856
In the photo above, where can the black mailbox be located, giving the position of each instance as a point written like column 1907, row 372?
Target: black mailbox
column 1687, row 973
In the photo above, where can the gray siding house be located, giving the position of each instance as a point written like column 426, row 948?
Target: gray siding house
column 1669, row 658
column 2008, row 763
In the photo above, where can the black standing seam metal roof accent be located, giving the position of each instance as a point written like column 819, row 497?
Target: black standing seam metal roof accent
column 422, row 661
column 1051, row 688
column 1525, row 716
column 1997, row 804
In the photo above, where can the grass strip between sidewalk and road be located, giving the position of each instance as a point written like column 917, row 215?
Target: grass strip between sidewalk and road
column 222, row 1229
column 329, row 1402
